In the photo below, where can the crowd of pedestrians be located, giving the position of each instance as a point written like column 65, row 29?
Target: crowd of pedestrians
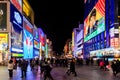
column 46, row 65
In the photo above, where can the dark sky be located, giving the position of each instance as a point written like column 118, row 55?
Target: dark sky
column 57, row 18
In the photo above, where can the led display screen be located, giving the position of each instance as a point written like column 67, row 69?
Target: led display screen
column 16, row 39
column 36, row 53
column 28, row 44
column 94, row 23
column 36, row 44
column 16, row 30
column 3, row 16
column 27, row 25
column 35, row 33
column 16, row 17
column 41, row 36
column 3, row 41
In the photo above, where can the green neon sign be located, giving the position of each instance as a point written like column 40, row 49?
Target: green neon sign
column 17, row 55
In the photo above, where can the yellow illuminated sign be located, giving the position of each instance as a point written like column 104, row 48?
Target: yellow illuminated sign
column 26, row 8
column 3, row 41
column 28, row 11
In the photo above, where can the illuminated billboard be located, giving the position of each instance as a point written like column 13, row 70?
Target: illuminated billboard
column 27, row 25
column 94, row 23
column 16, row 39
column 16, row 17
column 16, row 29
column 36, row 53
column 36, row 44
column 27, row 11
column 3, row 16
column 17, row 55
column 35, row 34
column 3, row 41
column 17, row 4
column 41, row 36
column 27, row 44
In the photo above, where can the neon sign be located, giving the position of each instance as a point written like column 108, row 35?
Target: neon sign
column 17, row 4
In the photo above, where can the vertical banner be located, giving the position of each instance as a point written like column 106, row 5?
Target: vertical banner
column 28, row 44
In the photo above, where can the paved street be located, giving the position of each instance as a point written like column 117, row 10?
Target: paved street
column 59, row 73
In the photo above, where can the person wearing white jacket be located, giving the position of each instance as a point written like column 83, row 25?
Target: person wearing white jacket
column 10, row 68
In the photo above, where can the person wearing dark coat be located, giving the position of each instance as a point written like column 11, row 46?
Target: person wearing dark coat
column 47, row 70
column 72, row 67
column 24, row 65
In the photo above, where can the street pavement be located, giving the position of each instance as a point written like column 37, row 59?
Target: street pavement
column 59, row 73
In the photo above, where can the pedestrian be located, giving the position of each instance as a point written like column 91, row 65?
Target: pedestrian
column 72, row 67
column 24, row 65
column 68, row 67
column 47, row 70
column 10, row 68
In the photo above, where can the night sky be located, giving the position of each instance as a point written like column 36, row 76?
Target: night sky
column 57, row 18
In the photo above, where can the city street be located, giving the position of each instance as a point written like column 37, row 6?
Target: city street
column 59, row 73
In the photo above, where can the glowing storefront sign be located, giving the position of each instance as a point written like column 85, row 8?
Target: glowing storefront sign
column 73, row 41
column 17, row 55
column 3, row 41
column 114, row 42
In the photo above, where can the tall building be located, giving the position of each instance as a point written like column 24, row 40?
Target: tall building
column 101, row 34
column 77, row 41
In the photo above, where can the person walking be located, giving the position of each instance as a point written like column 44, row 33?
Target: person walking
column 10, row 68
column 24, row 65
column 47, row 70
column 72, row 67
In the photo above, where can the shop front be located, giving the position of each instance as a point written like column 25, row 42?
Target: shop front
column 110, row 53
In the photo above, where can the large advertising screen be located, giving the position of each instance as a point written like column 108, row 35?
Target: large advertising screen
column 3, row 16
column 94, row 23
column 41, row 36
column 27, row 25
column 3, row 41
column 28, row 44
column 35, row 34
column 36, row 53
column 36, row 44
column 16, row 30
column 16, row 39
column 16, row 17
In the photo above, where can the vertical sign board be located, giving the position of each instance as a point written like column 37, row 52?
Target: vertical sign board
column 16, row 19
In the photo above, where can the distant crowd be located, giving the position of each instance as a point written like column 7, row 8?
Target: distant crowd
column 46, row 65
